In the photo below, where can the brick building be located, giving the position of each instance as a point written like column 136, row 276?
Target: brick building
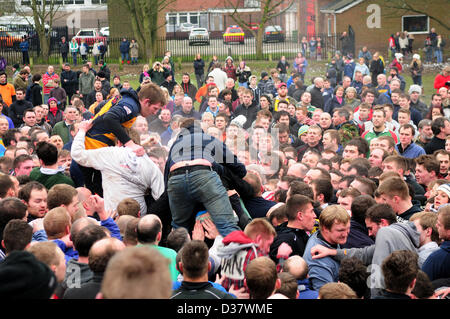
column 373, row 23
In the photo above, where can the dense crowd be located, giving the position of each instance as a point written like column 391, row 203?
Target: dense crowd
column 242, row 185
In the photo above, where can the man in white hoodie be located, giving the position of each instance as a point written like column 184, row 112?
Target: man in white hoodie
column 124, row 174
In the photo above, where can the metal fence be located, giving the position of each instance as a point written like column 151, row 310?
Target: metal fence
column 186, row 51
column 10, row 40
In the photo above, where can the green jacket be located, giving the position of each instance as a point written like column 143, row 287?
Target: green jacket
column 50, row 180
column 62, row 130
column 86, row 83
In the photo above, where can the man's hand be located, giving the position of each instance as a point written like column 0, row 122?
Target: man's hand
column 197, row 232
column 85, row 126
column 211, row 231
column 66, row 240
column 239, row 293
column 98, row 205
column 320, row 251
column 138, row 149
column 38, row 224
column 284, row 250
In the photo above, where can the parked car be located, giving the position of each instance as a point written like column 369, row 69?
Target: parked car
column 199, row 36
column 104, row 31
column 234, row 33
column 273, row 33
column 90, row 35
column 187, row 27
column 254, row 26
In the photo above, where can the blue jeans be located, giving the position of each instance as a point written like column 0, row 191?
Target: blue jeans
column 438, row 55
column 74, row 58
column 125, row 57
column 203, row 186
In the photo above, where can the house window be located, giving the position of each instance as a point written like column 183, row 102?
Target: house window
column 416, row 24
column 329, row 26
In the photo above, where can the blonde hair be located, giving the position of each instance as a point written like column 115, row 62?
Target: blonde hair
column 333, row 214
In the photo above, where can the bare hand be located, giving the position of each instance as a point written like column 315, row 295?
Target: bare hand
column 138, row 149
column 98, row 205
column 197, row 232
column 442, row 293
column 85, row 125
column 320, row 251
column 239, row 293
column 284, row 250
column 211, row 231
column 38, row 224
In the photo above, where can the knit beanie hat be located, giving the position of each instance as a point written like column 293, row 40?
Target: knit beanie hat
column 415, row 88
column 23, row 276
column 239, row 121
column 302, row 130
column 445, row 188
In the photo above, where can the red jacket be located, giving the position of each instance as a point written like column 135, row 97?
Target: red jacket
column 440, row 80
column 45, row 79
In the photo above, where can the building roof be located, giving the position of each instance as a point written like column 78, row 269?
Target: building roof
column 339, row 6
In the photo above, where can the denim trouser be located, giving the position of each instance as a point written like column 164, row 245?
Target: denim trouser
column 125, row 56
column 187, row 190
column 438, row 55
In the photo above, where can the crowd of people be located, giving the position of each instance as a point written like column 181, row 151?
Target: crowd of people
column 242, row 186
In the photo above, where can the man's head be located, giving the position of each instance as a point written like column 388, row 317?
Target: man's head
column 16, row 235
column 443, row 223
column 299, row 210
column 395, row 163
column 29, row 117
column 34, row 195
column 323, row 190
column 340, row 116
column 151, row 99
column 334, row 224
column 186, row 106
column 381, row 80
column 57, row 223
column 63, row 195
column 353, row 149
column 378, row 118
column 261, row 232
column 84, row 238
column 194, row 263
column 400, row 270
column 441, row 127
column 50, row 254
column 149, row 229
column 137, row 273
column 395, row 192
column 101, row 253
column 427, row 169
column 378, row 216
column 376, row 157
column 261, row 278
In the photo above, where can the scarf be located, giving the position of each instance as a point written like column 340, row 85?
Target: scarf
column 54, row 110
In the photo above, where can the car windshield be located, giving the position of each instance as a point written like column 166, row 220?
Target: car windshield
column 86, row 33
column 198, row 31
column 273, row 28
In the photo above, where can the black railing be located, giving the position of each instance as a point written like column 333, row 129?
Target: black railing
column 184, row 49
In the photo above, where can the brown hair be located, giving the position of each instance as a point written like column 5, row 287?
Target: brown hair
column 336, row 290
column 394, row 186
column 128, row 206
column 152, row 92
column 261, row 277
column 55, row 222
column 427, row 220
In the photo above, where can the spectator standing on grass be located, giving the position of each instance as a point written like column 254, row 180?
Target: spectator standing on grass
column 124, row 49
column 74, row 47
column 199, row 69
column 64, row 49
column 134, row 51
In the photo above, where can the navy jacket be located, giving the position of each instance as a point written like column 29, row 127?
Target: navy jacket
column 437, row 265
column 358, row 236
column 192, row 143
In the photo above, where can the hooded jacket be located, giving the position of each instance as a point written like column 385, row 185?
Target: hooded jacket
column 236, row 253
column 294, row 237
column 397, row 236
column 437, row 265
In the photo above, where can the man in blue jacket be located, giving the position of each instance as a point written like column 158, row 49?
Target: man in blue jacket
column 437, row 265
column 124, row 49
column 24, row 46
column 192, row 178
column 407, row 148
column 334, row 226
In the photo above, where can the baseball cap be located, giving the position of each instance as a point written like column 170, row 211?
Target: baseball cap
column 281, row 84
